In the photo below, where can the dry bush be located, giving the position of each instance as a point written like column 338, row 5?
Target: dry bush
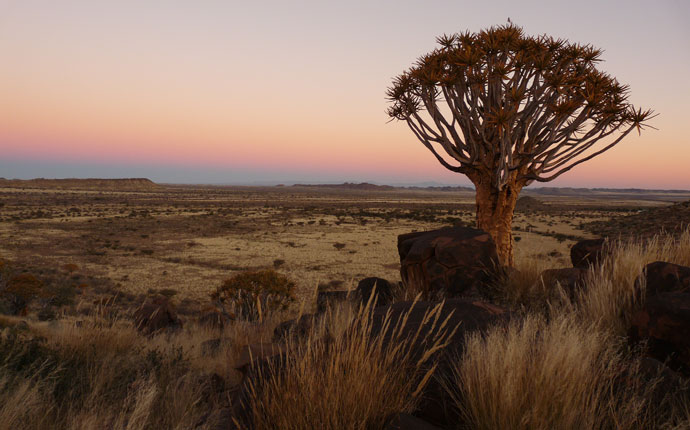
column 96, row 375
column 345, row 376
column 536, row 374
column 251, row 294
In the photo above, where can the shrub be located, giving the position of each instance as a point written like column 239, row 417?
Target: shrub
column 250, row 294
column 20, row 290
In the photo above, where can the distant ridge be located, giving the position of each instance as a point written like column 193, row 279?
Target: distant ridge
column 91, row 184
column 350, row 186
column 374, row 187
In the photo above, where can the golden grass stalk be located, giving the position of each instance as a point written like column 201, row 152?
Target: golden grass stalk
column 611, row 294
column 536, row 374
column 352, row 377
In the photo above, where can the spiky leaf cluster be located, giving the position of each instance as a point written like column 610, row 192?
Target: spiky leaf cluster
column 512, row 107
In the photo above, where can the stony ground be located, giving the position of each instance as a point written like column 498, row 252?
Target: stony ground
column 184, row 241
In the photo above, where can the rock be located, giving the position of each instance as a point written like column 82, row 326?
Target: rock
column 384, row 290
column 435, row 407
column 587, row 252
column 455, row 261
column 664, row 322
column 468, row 316
column 662, row 277
column 155, row 315
column 664, row 318
column 326, row 299
column 408, row 422
column 571, row 279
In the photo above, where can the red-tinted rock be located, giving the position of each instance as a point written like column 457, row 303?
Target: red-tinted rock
column 662, row 277
column 155, row 315
column 664, row 322
column 587, row 252
column 455, row 261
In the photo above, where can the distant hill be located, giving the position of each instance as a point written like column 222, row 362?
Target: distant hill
column 644, row 223
column 350, row 186
column 374, row 187
column 125, row 184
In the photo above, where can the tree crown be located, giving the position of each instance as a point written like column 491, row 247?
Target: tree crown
column 511, row 107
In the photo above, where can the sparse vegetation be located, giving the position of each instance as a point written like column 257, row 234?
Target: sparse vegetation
column 76, row 360
column 251, row 294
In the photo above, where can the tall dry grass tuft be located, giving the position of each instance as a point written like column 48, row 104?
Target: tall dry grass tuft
column 535, row 374
column 611, row 294
column 22, row 404
column 348, row 375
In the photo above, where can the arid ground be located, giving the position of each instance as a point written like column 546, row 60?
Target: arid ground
column 137, row 239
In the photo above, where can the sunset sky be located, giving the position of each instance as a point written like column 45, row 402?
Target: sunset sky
column 294, row 91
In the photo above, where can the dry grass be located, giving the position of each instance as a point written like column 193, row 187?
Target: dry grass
column 347, row 376
column 104, row 374
column 611, row 294
column 566, row 367
column 561, row 366
column 559, row 374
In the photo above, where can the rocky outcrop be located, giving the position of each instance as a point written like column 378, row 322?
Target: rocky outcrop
column 664, row 319
column 587, row 252
column 452, row 261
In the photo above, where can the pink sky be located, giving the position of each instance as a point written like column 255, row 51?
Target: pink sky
column 295, row 91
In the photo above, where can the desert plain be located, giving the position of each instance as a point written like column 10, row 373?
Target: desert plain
column 133, row 239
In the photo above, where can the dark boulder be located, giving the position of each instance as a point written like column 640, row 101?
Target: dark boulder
column 385, row 290
column 662, row 277
column 664, row 322
column 463, row 316
column 454, row 261
column 155, row 315
column 587, row 252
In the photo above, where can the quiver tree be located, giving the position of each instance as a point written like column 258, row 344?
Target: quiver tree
column 506, row 109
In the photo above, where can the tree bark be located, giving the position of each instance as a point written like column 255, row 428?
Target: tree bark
column 495, row 215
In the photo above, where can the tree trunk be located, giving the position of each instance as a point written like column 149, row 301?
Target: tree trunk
column 495, row 215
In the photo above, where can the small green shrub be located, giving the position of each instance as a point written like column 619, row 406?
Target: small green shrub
column 252, row 293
